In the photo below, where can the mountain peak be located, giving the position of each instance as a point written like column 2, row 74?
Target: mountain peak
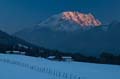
column 81, row 18
column 70, row 21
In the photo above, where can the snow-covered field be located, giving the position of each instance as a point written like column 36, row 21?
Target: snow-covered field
column 24, row 67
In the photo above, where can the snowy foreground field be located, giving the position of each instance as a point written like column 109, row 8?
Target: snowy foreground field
column 23, row 67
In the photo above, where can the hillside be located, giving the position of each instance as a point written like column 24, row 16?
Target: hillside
column 17, row 67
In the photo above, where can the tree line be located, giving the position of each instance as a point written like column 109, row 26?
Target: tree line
column 104, row 58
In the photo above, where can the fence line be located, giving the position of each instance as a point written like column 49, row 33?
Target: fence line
column 42, row 69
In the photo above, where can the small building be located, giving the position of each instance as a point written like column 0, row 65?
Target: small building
column 8, row 52
column 23, row 53
column 67, row 58
column 15, row 52
column 19, row 52
column 51, row 57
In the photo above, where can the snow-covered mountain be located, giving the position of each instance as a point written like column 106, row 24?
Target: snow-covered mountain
column 74, row 32
column 70, row 21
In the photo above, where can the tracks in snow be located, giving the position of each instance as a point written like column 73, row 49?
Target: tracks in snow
column 42, row 69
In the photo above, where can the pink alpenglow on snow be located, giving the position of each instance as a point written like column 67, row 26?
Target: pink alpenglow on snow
column 81, row 19
column 70, row 21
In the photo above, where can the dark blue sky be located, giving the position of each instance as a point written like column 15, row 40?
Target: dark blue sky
column 18, row 14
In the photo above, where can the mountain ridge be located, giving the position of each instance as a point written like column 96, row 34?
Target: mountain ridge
column 91, row 41
column 67, row 21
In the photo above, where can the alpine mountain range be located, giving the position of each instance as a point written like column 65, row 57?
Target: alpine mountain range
column 74, row 32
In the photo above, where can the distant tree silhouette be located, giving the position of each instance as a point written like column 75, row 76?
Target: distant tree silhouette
column 106, row 57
